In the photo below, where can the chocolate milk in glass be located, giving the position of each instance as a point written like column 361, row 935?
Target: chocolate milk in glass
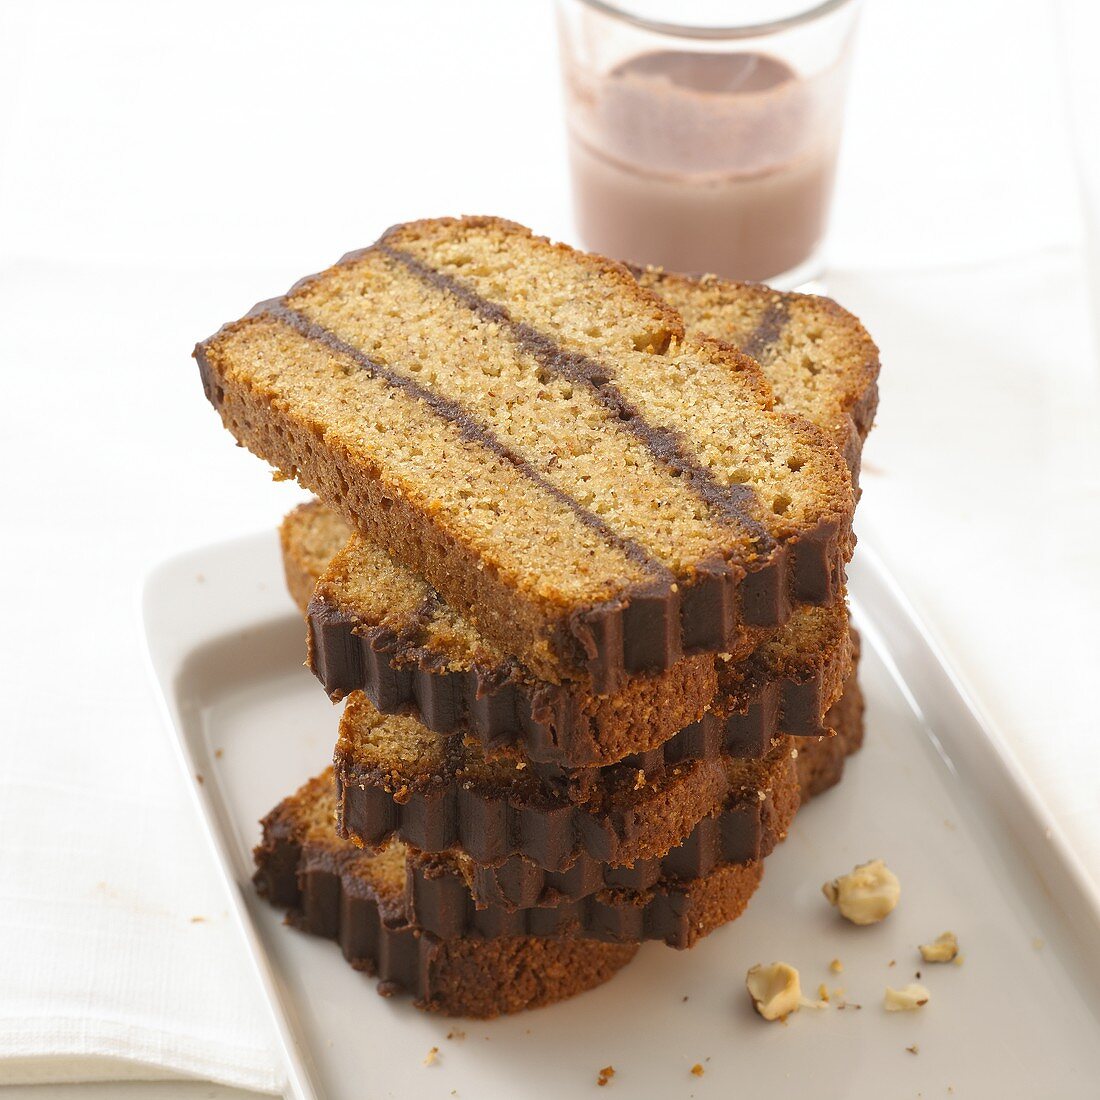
column 698, row 161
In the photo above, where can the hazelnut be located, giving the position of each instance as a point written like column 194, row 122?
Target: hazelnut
column 867, row 894
column 942, row 949
column 775, row 990
column 907, row 999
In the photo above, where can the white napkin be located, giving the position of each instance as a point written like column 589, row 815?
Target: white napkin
column 118, row 956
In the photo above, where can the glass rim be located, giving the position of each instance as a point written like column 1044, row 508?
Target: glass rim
column 747, row 30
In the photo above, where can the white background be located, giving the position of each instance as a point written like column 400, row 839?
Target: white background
column 162, row 166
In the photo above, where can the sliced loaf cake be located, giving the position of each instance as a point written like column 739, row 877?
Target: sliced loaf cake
column 333, row 889
column 533, row 433
column 377, row 627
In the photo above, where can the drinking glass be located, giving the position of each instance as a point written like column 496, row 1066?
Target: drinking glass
column 705, row 147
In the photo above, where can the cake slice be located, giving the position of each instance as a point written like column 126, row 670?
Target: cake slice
column 394, row 778
column 333, row 889
column 817, row 358
column 745, row 829
column 531, row 431
column 377, row 627
column 678, row 898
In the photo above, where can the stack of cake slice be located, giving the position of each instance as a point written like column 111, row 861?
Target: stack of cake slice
column 578, row 570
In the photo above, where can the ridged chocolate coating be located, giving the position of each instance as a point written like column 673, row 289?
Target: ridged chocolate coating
column 498, row 707
column 821, row 761
column 743, row 831
column 679, row 913
column 325, row 896
column 677, row 907
column 747, row 828
column 491, row 823
column 502, row 709
column 318, row 903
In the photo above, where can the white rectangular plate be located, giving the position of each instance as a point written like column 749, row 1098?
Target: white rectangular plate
column 932, row 793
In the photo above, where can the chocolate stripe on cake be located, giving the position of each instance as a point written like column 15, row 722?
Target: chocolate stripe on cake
column 767, row 330
column 794, row 335
column 665, row 445
column 708, row 607
column 573, row 604
column 469, row 429
column 647, row 626
column 679, row 913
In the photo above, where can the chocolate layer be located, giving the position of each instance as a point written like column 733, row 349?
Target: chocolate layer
column 491, row 822
column 679, row 913
column 503, row 706
column 747, row 828
column 821, row 761
column 326, row 892
column 732, row 501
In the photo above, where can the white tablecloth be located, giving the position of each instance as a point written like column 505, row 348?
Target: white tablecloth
column 161, row 167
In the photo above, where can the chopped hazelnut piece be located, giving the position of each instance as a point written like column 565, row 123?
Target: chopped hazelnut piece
column 942, row 949
column 605, row 1075
column 697, row 1070
column 836, row 966
column 775, row 990
column 866, row 895
column 906, row 999
column 431, row 1056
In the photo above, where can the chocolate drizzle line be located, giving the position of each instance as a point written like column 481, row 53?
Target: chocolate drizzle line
column 665, row 445
column 470, row 430
column 767, row 329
